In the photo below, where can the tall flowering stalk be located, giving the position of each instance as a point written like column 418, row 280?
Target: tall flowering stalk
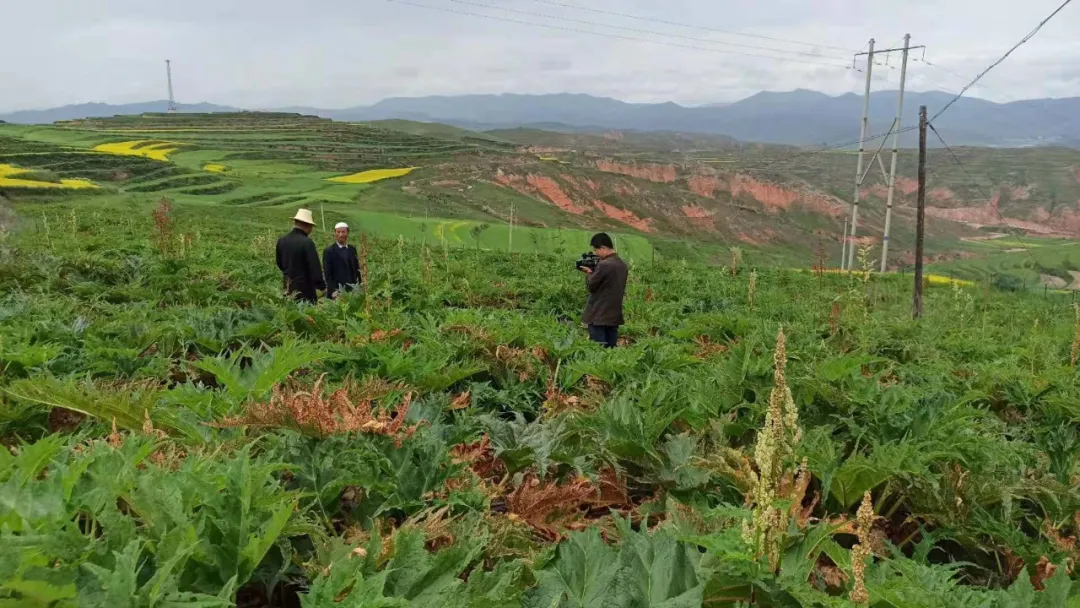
column 860, row 553
column 751, row 289
column 163, row 226
column 364, row 250
column 1076, row 338
column 736, row 259
column 774, row 456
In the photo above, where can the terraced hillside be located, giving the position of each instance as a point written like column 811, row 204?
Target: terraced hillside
column 361, row 173
column 688, row 196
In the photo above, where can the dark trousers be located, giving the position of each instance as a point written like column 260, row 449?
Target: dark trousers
column 608, row 335
column 343, row 288
column 310, row 298
column 301, row 293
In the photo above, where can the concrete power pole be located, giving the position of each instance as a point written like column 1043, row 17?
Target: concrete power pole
column 860, row 175
column 920, row 216
column 843, row 248
column 895, row 150
column 510, row 245
column 850, row 258
column 168, row 74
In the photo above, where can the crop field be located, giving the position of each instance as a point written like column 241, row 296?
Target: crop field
column 157, row 150
column 1028, row 262
column 373, row 175
column 344, row 172
column 14, row 177
column 174, row 432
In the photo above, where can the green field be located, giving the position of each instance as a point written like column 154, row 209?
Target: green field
column 1033, row 262
column 681, row 194
column 283, row 162
column 175, row 433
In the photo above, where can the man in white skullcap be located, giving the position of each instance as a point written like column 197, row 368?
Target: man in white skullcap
column 298, row 260
column 341, row 263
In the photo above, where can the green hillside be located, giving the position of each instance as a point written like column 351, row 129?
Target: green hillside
column 174, row 432
column 686, row 196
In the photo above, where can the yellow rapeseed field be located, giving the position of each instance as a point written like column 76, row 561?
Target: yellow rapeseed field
column 214, row 168
column 932, row 279
column 6, row 171
column 937, row 279
column 552, row 159
column 159, row 151
column 374, row 175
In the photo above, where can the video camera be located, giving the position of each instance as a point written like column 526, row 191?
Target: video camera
column 588, row 260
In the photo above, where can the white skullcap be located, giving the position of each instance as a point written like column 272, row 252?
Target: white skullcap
column 341, row 225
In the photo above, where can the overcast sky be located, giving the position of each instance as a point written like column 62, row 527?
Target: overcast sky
column 341, row 53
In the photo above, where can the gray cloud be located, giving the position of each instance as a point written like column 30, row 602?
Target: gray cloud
column 339, row 53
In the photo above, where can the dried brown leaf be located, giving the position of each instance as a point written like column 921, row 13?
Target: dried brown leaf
column 461, row 401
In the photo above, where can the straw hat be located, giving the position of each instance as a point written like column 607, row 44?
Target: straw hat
column 304, row 215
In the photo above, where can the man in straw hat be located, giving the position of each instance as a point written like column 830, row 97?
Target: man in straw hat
column 341, row 264
column 299, row 261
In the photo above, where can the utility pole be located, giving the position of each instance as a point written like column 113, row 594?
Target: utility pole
column 920, row 216
column 510, row 247
column 850, row 259
column 843, row 248
column 168, row 75
column 895, row 151
column 860, row 175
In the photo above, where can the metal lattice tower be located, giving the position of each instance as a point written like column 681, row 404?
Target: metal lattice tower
column 168, row 74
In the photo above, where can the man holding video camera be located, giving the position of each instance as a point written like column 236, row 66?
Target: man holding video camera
column 606, row 281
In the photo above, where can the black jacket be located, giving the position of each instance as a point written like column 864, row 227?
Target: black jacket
column 607, row 286
column 299, row 264
column 341, row 265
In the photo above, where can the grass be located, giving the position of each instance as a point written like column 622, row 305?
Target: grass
column 1029, row 260
column 461, row 177
column 177, row 432
column 216, row 165
column 448, row 437
column 467, row 235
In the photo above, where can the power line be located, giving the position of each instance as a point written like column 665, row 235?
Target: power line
column 1006, row 96
column 643, row 31
column 945, row 69
column 823, row 149
column 688, row 25
column 1029, row 36
column 989, row 197
column 616, row 36
column 828, row 148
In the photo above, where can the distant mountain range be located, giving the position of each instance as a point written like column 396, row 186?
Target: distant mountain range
column 101, row 110
column 798, row 117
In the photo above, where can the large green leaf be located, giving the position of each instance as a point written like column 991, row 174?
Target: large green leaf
column 425, row 579
column 584, row 574
column 658, row 571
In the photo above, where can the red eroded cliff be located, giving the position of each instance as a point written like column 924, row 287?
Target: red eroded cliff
column 906, row 185
column 699, row 216
column 551, row 190
column 626, row 217
column 772, row 196
column 580, row 182
column 940, row 195
column 656, row 173
column 695, row 212
column 531, row 184
column 705, row 185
